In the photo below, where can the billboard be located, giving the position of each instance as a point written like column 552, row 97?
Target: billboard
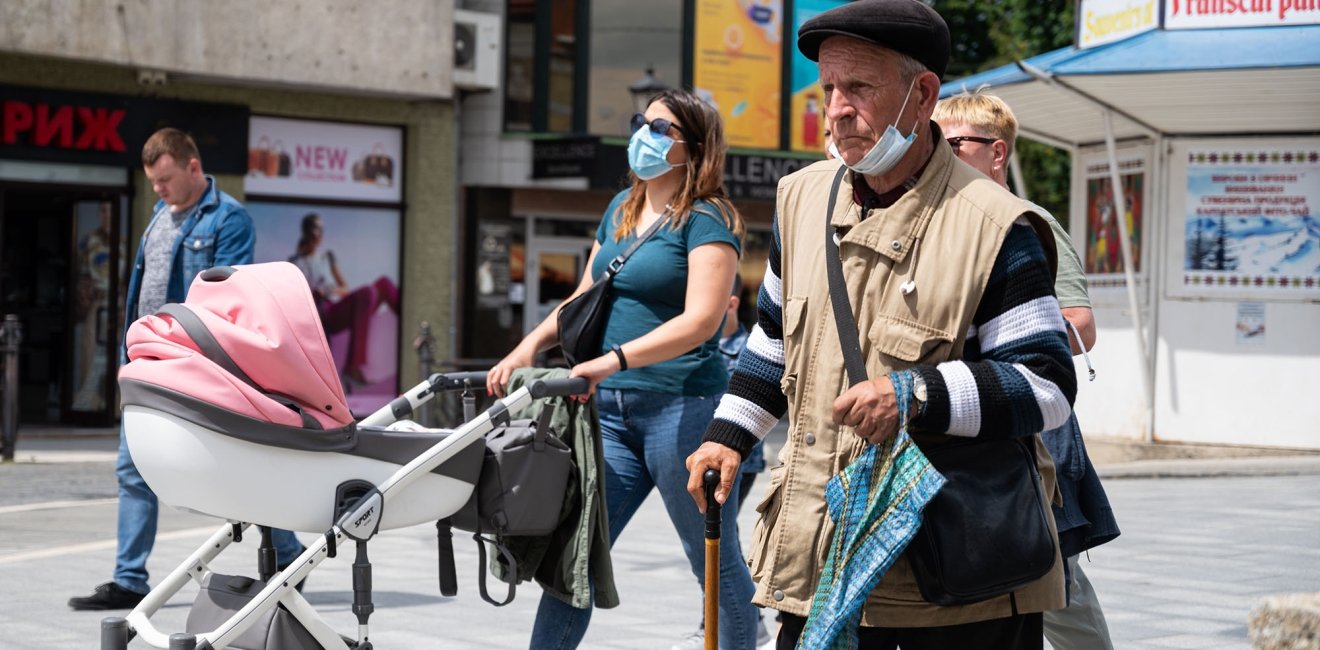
column 806, row 101
column 736, row 67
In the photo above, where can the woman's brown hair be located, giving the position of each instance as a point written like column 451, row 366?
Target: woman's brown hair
column 703, row 133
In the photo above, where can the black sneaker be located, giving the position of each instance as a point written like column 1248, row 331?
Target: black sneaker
column 107, row 596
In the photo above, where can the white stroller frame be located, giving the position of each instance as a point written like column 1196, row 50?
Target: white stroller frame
column 360, row 523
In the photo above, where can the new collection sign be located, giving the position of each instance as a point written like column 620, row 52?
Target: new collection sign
column 324, row 160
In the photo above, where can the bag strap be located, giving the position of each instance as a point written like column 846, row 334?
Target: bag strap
column 511, row 566
column 543, row 425
column 211, row 349
column 617, row 263
column 843, row 316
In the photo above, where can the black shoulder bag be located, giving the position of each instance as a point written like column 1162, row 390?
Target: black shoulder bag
column 582, row 319
column 986, row 533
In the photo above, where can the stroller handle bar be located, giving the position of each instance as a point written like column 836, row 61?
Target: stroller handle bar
column 558, row 387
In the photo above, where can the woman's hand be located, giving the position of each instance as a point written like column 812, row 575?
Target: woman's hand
column 595, row 371
column 497, row 380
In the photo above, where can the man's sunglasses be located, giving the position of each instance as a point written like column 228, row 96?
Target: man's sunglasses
column 957, row 142
column 660, row 126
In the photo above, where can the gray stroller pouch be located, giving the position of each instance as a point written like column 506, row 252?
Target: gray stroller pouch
column 221, row 596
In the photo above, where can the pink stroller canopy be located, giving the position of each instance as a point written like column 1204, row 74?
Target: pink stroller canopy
column 247, row 340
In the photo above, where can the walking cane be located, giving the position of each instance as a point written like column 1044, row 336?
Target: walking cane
column 712, row 628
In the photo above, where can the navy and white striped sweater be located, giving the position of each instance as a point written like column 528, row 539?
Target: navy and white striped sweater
column 1016, row 377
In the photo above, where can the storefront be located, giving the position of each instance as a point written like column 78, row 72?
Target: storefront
column 65, row 194
column 526, row 248
column 1206, row 282
column 74, row 202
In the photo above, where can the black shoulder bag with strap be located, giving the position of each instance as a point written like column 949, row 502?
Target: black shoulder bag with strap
column 582, row 319
column 986, row 533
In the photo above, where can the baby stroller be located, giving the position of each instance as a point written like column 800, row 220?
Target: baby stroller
column 233, row 408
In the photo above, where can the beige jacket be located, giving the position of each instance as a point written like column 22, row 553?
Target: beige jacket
column 961, row 219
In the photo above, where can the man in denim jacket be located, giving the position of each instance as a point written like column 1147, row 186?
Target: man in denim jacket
column 195, row 227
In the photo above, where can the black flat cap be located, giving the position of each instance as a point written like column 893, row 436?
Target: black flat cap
column 906, row 26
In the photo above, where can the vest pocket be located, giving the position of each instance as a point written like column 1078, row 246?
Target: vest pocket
column 768, row 509
column 908, row 342
column 795, row 312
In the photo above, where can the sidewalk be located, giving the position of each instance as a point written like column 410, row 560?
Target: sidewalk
column 1113, row 459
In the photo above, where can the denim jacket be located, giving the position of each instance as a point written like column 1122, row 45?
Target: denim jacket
column 1085, row 520
column 219, row 233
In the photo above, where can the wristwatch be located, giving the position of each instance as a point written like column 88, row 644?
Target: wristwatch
column 919, row 391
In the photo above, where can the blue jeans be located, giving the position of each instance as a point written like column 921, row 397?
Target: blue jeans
column 138, row 512
column 646, row 438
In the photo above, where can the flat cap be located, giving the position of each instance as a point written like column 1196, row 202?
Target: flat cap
column 905, row 26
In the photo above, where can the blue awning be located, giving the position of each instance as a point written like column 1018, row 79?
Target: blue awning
column 1181, row 82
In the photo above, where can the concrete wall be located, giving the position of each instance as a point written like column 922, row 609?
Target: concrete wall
column 400, row 47
column 429, row 181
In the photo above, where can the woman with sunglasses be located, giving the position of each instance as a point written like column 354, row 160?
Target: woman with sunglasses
column 660, row 372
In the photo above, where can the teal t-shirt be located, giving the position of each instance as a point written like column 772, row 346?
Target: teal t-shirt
column 651, row 289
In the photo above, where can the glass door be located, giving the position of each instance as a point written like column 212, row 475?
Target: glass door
column 98, row 275
column 554, row 268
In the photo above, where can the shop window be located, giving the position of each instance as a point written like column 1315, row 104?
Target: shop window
column 519, row 65
column 626, row 39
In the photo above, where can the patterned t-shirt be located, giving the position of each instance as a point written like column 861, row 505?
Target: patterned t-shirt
column 158, row 258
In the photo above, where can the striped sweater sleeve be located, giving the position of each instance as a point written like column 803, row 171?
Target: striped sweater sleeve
column 1016, row 377
column 754, row 402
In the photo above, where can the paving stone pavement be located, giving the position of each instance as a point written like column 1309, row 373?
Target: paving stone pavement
column 1196, row 553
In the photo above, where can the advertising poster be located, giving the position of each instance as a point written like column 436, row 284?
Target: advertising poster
column 1250, row 329
column 807, row 102
column 350, row 258
column 327, row 160
column 1104, row 253
column 1250, row 221
column 736, row 67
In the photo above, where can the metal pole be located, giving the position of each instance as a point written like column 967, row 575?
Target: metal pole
column 1119, row 214
column 424, row 344
column 11, row 335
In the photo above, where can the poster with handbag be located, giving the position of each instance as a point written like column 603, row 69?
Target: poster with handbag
column 324, row 160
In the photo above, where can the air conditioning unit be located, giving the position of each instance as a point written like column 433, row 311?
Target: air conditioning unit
column 476, row 50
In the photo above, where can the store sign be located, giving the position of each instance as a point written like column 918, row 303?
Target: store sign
column 324, row 160
column 87, row 128
column 1199, row 14
column 757, row 177
column 567, row 158
column 1106, row 21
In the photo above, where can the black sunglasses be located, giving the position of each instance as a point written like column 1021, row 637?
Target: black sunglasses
column 957, row 141
column 660, row 126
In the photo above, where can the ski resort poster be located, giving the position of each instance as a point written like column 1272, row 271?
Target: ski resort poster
column 1250, row 224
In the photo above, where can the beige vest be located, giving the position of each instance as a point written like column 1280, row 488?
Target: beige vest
column 960, row 219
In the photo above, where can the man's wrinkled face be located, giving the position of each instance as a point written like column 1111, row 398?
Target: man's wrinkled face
column 174, row 183
column 864, row 92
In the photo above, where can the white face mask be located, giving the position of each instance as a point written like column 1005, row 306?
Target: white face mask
column 888, row 150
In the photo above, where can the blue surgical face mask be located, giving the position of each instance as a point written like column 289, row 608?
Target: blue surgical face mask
column 888, row 150
column 648, row 153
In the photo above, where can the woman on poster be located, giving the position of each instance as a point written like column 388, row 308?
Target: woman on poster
column 341, row 308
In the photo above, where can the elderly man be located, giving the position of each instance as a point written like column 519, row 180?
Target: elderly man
column 982, row 131
column 950, row 281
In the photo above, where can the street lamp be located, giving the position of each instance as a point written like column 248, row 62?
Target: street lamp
column 645, row 88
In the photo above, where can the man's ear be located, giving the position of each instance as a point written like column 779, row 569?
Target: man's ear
column 734, row 302
column 927, row 93
column 1001, row 154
